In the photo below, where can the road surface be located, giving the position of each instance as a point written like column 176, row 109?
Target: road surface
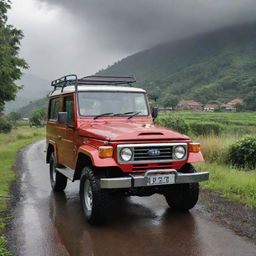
column 52, row 224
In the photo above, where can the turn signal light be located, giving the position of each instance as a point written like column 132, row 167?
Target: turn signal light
column 194, row 147
column 105, row 151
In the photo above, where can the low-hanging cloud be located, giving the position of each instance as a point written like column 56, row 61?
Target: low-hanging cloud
column 83, row 36
column 138, row 24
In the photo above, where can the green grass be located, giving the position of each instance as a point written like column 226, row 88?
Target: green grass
column 236, row 185
column 3, row 250
column 10, row 144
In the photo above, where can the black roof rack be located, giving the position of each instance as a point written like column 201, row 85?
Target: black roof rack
column 91, row 80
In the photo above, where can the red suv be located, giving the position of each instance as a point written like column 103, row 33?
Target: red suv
column 100, row 131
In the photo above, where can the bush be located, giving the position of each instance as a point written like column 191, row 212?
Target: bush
column 206, row 128
column 174, row 122
column 242, row 153
column 5, row 125
column 38, row 118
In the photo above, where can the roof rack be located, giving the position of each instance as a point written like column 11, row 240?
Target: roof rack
column 72, row 79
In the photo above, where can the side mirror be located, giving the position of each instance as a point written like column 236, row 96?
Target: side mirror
column 154, row 112
column 62, row 117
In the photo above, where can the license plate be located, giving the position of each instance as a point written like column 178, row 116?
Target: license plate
column 154, row 180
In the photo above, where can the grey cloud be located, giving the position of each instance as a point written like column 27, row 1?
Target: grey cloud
column 83, row 36
column 132, row 25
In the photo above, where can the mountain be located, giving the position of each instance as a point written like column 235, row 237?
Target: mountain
column 34, row 88
column 215, row 66
column 27, row 110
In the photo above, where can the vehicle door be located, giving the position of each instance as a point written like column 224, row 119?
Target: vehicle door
column 68, row 139
column 55, row 131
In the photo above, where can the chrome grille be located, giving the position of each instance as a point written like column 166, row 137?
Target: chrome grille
column 142, row 153
column 151, row 152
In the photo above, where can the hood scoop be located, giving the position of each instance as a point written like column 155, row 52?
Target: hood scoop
column 150, row 133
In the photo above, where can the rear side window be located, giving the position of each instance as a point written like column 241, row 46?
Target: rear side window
column 69, row 108
column 54, row 108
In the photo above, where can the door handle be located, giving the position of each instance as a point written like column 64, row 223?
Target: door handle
column 58, row 137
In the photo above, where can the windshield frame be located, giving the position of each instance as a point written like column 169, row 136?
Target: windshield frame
column 144, row 94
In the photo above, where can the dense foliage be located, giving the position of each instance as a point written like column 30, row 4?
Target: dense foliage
column 10, row 64
column 5, row 125
column 38, row 117
column 206, row 128
column 174, row 122
column 217, row 66
column 13, row 117
column 242, row 153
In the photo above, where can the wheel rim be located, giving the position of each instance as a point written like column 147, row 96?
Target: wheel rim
column 88, row 195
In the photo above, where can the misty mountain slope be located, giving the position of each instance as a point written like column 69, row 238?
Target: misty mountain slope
column 34, row 88
column 218, row 65
column 26, row 111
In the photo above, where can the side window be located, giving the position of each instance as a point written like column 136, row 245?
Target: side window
column 54, row 108
column 69, row 108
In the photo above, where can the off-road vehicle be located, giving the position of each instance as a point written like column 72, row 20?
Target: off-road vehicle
column 100, row 131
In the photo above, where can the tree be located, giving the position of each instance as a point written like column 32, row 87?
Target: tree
column 14, row 117
column 250, row 100
column 170, row 101
column 38, row 117
column 10, row 64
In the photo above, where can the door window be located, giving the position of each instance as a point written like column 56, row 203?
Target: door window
column 69, row 108
column 54, row 109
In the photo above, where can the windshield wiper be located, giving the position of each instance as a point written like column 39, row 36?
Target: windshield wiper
column 104, row 114
column 132, row 115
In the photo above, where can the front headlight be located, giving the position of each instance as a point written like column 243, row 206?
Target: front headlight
column 179, row 152
column 126, row 154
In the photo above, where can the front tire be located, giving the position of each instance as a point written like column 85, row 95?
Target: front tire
column 183, row 197
column 58, row 180
column 94, row 200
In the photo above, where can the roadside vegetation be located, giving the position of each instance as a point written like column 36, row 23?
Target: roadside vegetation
column 223, row 137
column 10, row 144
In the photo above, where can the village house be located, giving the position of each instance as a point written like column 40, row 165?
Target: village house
column 210, row 107
column 189, row 105
column 231, row 106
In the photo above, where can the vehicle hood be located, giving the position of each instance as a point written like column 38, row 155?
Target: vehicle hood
column 128, row 131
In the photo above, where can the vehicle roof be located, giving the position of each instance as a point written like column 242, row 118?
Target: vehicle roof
column 86, row 88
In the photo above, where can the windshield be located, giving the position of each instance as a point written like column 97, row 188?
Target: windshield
column 119, row 103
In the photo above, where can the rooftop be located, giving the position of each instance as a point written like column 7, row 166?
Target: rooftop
column 97, row 88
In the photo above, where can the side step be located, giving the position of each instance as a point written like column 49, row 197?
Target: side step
column 66, row 171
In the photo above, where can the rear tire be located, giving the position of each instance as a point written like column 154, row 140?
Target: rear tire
column 58, row 180
column 183, row 197
column 94, row 200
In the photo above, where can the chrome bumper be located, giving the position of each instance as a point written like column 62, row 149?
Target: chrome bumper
column 134, row 181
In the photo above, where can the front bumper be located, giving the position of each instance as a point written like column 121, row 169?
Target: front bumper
column 134, row 181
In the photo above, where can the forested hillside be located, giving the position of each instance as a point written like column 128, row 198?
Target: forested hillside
column 216, row 66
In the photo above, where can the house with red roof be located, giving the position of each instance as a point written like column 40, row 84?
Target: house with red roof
column 210, row 107
column 231, row 106
column 189, row 105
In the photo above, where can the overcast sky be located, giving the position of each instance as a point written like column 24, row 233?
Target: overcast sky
column 83, row 36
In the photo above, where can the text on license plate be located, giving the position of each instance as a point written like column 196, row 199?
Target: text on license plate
column 160, row 179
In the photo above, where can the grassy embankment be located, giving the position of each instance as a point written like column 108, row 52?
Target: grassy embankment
column 235, row 184
column 10, row 144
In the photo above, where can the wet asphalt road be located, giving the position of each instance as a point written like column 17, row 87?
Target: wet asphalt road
column 52, row 224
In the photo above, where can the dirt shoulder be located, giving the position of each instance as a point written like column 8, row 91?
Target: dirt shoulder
column 233, row 215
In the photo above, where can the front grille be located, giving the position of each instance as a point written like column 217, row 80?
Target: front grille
column 142, row 153
column 145, row 167
column 150, row 152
